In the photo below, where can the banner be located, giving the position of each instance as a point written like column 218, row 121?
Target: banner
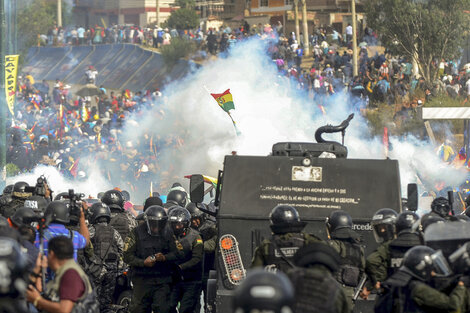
column 11, row 71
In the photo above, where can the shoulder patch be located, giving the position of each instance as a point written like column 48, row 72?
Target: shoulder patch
column 199, row 241
column 179, row 246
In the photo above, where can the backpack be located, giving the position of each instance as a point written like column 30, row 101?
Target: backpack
column 120, row 223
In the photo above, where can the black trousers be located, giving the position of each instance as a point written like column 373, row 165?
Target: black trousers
column 187, row 295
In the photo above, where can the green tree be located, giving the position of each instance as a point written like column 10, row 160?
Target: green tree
column 179, row 48
column 186, row 4
column 183, row 19
column 37, row 18
column 421, row 30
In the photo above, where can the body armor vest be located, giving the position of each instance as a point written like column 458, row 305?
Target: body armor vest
column 104, row 245
column 120, row 222
column 398, row 247
column 281, row 250
column 148, row 245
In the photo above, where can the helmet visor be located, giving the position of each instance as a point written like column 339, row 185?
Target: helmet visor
column 155, row 226
column 177, row 227
column 441, row 267
column 383, row 231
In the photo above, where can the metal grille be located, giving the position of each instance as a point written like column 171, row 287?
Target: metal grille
column 234, row 270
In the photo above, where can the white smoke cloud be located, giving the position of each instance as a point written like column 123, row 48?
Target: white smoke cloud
column 268, row 110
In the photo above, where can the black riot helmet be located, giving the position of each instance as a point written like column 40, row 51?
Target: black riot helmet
column 99, row 210
column 14, row 269
column 441, row 206
column 37, row 203
column 383, row 224
column 61, row 196
column 58, row 212
column 19, row 190
column 126, row 195
column 23, row 216
column 285, row 219
column 405, row 221
column 338, row 219
column 197, row 216
column 427, row 220
column 180, row 219
column 8, row 190
column 156, row 219
column 263, row 291
column 177, row 197
column 420, row 261
column 113, row 198
column 317, row 253
column 20, row 186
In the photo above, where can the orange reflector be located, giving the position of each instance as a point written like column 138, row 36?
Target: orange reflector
column 226, row 243
column 236, row 274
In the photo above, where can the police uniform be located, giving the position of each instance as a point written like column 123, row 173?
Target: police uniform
column 273, row 253
column 151, row 284
column 388, row 257
column 352, row 260
column 189, row 268
column 108, row 249
column 123, row 222
column 417, row 296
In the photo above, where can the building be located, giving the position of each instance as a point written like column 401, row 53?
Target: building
column 336, row 13
column 135, row 12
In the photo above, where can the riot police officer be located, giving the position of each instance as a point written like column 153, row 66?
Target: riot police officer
column 316, row 290
column 121, row 220
column 440, row 207
column 262, row 291
column 107, row 247
column 347, row 243
column 19, row 195
column 383, row 226
column 409, row 287
column 176, row 197
column 15, row 277
column 189, row 268
column 207, row 228
column 277, row 252
column 151, row 251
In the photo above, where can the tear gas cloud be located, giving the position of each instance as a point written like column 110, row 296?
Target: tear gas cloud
column 268, row 109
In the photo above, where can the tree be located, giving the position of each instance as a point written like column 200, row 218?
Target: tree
column 186, row 4
column 37, row 18
column 183, row 19
column 425, row 31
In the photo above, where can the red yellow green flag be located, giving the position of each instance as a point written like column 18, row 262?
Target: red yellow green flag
column 225, row 100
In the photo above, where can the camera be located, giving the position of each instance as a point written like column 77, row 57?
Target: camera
column 75, row 205
column 39, row 189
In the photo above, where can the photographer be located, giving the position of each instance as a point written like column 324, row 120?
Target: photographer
column 58, row 214
column 70, row 286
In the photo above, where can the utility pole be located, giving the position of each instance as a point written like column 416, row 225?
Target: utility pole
column 305, row 26
column 3, row 105
column 59, row 13
column 296, row 20
column 354, row 37
column 157, row 12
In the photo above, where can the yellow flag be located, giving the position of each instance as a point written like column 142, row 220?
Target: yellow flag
column 11, row 71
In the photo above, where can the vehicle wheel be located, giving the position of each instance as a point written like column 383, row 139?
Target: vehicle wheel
column 125, row 299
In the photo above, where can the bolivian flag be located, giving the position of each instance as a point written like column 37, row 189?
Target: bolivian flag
column 225, row 100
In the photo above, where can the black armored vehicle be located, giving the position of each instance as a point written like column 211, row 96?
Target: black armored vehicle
column 315, row 178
